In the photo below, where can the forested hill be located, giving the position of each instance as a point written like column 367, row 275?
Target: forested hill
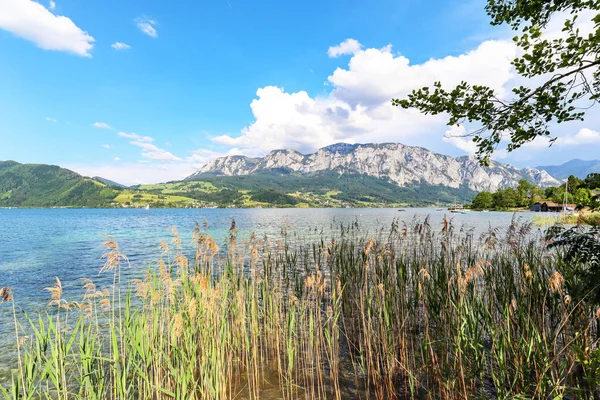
column 41, row 185
column 330, row 188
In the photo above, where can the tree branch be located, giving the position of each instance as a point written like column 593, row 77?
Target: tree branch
column 555, row 79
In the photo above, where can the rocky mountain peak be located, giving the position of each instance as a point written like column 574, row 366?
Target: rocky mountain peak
column 393, row 162
column 340, row 148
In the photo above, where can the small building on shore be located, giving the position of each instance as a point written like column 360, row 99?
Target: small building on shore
column 550, row 206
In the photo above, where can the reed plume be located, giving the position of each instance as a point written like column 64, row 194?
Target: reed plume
column 5, row 294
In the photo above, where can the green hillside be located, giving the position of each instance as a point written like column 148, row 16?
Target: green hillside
column 322, row 189
column 40, row 185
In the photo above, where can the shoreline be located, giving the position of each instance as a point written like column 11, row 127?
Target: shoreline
column 258, row 208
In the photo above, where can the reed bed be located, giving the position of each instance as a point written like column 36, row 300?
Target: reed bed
column 414, row 311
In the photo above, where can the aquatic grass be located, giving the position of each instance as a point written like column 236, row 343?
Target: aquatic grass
column 413, row 311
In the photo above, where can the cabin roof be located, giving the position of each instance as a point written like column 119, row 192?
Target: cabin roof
column 553, row 204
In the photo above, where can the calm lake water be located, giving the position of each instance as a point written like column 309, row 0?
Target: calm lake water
column 37, row 245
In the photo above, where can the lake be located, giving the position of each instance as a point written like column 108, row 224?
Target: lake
column 37, row 245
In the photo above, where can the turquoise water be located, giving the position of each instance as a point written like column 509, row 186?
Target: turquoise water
column 37, row 245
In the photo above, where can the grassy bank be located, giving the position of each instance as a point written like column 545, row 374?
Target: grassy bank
column 412, row 312
column 592, row 219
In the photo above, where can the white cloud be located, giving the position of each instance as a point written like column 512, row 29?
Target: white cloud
column 120, row 46
column 359, row 109
column 135, row 137
column 102, row 125
column 149, row 150
column 201, row 157
column 147, row 26
column 455, row 135
column 375, row 76
column 584, row 136
column 153, row 152
column 151, row 169
column 32, row 21
column 50, row 119
column 51, row 5
column 106, row 146
column 458, row 137
column 348, row 46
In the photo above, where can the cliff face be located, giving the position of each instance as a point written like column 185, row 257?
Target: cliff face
column 395, row 162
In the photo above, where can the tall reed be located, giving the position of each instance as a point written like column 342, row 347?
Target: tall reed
column 415, row 311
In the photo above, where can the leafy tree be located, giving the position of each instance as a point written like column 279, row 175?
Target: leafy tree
column 506, row 198
column 574, row 183
column 537, row 193
column 558, row 195
column 595, row 202
column 592, row 181
column 568, row 65
column 582, row 197
column 549, row 192
column 524, row 192
column 483, row 200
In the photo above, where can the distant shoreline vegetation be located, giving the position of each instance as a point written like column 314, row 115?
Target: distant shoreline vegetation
column 584, row 193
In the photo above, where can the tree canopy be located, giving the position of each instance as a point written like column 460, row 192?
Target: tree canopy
column 568, row 66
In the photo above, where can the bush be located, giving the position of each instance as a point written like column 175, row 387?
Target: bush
column 580, row 260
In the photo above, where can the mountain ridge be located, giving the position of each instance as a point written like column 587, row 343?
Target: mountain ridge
column 395, row 162
column 577, row 167
column 109, row 182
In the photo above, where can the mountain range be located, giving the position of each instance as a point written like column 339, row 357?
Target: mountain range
column 402, row 165
column 579, row 168
column 340, row 175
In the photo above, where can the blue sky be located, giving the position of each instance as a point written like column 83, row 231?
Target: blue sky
column 146, row 91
